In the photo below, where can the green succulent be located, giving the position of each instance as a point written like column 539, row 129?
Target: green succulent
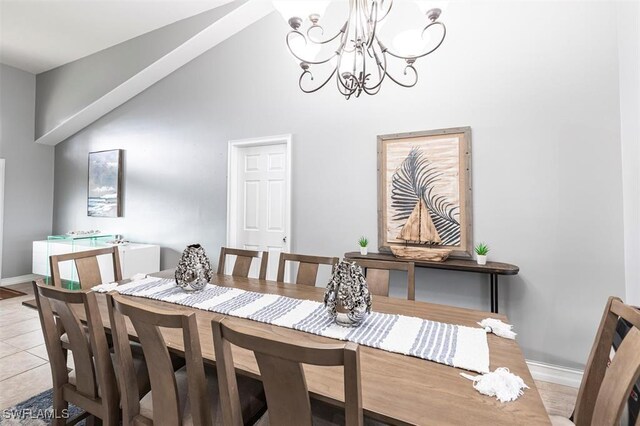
column 363, row 242
column 482, row 249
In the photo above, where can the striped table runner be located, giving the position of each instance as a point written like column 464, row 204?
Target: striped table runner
column 454, row 345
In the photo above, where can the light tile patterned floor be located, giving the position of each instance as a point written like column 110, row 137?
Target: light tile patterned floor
column 24, row 366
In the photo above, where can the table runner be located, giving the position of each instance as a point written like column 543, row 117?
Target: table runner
column 449, row 344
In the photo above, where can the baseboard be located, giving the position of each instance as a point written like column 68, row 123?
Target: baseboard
column 20, row 279
column 555, row 374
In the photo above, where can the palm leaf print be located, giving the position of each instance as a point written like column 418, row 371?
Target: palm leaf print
column 415, row 179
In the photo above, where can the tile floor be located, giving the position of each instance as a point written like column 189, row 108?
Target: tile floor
column 24, row 368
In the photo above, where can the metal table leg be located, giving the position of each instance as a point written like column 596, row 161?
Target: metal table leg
column 493, row 278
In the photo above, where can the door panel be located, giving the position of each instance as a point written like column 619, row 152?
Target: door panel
column 275, row 205
column 251, row 205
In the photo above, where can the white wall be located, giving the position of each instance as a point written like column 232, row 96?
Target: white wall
column 540, row 91
column 629, row 54
column 28, row 202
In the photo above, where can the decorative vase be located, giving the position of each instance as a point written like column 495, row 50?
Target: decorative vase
column 194, row 269
column 364, row 251
column 347, row 298
column 481, row 259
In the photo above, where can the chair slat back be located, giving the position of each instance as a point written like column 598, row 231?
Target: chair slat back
column 86, row 265
column 605, row 388
column 378, row 281
column 93, row 367
column 88, row 272
column 378, row 275
column 286, row 390
column 307, row 267
column 243, row 261
column 282, row 374
column 164, row 391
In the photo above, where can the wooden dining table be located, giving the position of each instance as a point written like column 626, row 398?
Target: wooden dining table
column 396, row 389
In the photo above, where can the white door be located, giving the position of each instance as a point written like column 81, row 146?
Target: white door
column 262, row 187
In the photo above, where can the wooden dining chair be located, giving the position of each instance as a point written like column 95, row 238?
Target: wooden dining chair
column 91, row 385
column 87, row 266
column 183, row 397
column 281, row 370
column 307, row 267
column 243, row 261
column 377, row 273
column 606, row 386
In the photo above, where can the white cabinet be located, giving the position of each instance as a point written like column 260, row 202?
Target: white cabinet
column 134, row 258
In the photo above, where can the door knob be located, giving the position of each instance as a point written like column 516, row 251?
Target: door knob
column 284, row 240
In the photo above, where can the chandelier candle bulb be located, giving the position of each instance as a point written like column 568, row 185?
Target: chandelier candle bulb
column 359, row 61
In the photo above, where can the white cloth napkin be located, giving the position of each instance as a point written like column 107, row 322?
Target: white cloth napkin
column 502, row 384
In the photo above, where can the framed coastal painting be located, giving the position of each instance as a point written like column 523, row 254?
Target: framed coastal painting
column 424, row 191
column 104, row 198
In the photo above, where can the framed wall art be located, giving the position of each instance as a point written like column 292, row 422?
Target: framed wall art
column 104, row 194
column 424, row 191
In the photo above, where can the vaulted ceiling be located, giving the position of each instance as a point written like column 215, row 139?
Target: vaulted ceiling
column 38, row 35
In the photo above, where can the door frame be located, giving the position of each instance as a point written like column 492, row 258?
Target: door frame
column 232, row 183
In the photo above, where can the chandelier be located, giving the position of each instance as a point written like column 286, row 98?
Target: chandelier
column 358, row 59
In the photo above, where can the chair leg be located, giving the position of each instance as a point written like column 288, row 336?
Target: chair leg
column 60, row 408
column 92, row 421
column 112, row 417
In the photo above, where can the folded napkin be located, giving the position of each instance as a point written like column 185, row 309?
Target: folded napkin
column 104, row 288
column 497, row 327
column 137, row 279
column 502, row 384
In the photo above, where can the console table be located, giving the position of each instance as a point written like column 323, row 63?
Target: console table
column 493, row 269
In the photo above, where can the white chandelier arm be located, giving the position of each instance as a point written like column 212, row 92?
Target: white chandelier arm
column 381, row 73
column 372, row 90
column 343, row 89
column 414, row 57
column 415, row 74
column 329, row 40
column 307, row 72
column 373, row 24
column 307, row 61
column 386, row 12
column 342, row 80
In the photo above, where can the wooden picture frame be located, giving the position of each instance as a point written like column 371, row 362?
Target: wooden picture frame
column 437, row 163
column 104, row 183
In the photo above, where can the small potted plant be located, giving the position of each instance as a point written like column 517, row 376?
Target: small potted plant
column 481, row 253
column 363, row 243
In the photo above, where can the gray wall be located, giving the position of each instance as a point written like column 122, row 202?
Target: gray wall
column 28, row 202
column 65, row 90
column 544, row 108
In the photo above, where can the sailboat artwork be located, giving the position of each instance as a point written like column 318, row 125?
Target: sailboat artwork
column 419, row 229
column 424, row 194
